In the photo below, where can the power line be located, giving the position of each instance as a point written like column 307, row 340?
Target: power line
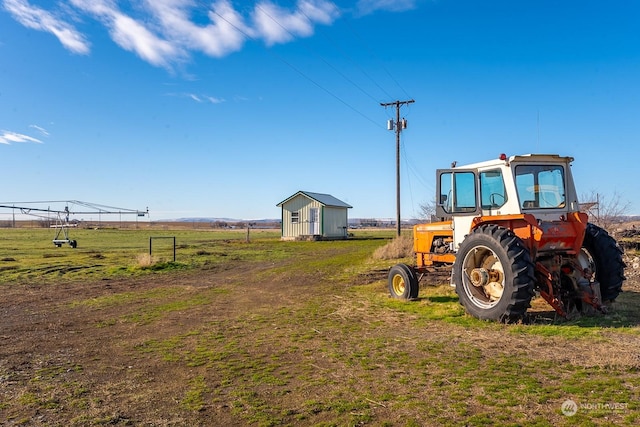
column 338, row 47
column 403, row 149
column 426, row 190
column 320, row 57
column 372, row 53
column 326, row 62
column 297, row 69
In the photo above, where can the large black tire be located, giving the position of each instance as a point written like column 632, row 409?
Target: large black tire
column 494, row 274
column 602, row 254
column 403, row 283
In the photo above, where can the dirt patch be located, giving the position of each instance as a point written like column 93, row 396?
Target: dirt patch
column 55, row 333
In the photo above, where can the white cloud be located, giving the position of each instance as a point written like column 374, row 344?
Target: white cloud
column 39, row 19
column 40, row 129
column 199, row 98
column 320, row 11
column 214, row 100
column 132, row 35
column 8, row 137
column 223, row 35
column 168, row 32
column 277, row 25
column 366, row 7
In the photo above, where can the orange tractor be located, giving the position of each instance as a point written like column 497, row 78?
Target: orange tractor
column 512, row 228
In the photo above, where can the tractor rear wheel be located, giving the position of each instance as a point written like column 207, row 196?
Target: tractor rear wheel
column 494, row 274
column 403, row 283
column 602, row 254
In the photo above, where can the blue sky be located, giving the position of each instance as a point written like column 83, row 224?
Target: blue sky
column 223, row 109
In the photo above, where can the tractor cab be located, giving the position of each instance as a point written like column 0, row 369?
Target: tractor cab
column 537, row 184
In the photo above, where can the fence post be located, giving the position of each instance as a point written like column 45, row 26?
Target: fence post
column 163, row 237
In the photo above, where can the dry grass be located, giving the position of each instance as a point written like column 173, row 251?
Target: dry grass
column 400, row 247
column 145, row 260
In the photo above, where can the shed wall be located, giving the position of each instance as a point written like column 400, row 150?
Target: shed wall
column 334, row 222
column 302, row 205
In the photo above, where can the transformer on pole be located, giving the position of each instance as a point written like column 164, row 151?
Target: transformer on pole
column 398, row 125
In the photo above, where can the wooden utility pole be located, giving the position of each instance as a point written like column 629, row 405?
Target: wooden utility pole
column 398, row 126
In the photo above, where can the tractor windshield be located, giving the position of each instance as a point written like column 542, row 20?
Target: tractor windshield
column 540, row 186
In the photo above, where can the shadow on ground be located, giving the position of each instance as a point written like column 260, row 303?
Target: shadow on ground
column 623, row 313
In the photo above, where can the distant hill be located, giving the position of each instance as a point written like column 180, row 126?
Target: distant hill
column 229, row 220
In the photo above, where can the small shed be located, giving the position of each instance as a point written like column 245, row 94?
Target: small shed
column 313, row 216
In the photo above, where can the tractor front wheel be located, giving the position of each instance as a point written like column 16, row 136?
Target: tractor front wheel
column 403, row 283
column 494, row 274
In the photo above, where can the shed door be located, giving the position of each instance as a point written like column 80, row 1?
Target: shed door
column 314, row 222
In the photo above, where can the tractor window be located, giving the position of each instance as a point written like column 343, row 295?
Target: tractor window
column 540, row 186
column 458, row 192
column 492, row 191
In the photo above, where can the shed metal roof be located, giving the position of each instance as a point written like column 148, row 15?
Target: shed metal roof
column 324, row 199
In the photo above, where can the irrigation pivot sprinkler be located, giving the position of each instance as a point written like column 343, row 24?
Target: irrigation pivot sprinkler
column 62, row 222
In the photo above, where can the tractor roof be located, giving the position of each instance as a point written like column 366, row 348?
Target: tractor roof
column 523, row 158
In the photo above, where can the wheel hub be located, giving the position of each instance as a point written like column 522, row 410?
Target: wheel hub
column 479, row 277
column 489, row 281
column 398, row 285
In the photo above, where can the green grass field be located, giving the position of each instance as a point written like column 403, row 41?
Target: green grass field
column 29, row 254
column 272, row 333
